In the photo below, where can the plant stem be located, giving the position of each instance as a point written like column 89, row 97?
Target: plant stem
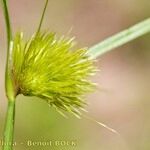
column 7, row 20
column 42, row 17
column 8, row 80
column 120, row 39
column 9, row 126
column 10, row 92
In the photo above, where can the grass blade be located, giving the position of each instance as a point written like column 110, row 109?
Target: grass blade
column 120, row 39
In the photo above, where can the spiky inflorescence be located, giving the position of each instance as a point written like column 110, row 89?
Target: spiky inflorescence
column 48, row 67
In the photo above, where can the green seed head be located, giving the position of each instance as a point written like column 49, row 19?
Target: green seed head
column 48, row 67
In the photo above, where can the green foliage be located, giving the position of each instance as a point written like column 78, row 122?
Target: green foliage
column 48, row 67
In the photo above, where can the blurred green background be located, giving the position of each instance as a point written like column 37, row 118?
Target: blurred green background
column 123, row 98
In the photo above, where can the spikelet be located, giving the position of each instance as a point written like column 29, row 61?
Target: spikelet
column 52, row 69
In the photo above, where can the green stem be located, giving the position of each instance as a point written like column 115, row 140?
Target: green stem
column 7, row 20
column 9, row 126
column 120, row 39
column 8, row 80
column 42, row 17
column 10, row 92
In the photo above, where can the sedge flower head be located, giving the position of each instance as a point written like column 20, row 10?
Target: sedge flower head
column 52, row 69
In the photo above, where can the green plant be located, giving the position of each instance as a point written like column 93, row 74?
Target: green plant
column 62, row 79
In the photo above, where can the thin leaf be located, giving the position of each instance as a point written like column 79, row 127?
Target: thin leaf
column 120, row 39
